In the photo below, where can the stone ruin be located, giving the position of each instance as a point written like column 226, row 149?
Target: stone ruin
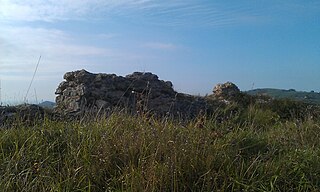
column 83, row 92
column 137, row 93
column 226, row 91
column 25, row 113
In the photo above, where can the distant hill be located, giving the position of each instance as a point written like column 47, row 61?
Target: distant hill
column 307, row 97
column 47, row 104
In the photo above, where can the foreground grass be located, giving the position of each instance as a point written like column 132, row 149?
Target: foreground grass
column 126, row 153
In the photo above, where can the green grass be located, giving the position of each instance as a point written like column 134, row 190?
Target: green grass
column 136, row 153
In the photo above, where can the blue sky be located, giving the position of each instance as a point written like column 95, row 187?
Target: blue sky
column 194, row 43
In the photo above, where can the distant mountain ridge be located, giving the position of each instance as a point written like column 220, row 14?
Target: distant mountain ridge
column 304, row 96
column 47, row 104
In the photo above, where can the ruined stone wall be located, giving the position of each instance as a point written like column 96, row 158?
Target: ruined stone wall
column 138, row 92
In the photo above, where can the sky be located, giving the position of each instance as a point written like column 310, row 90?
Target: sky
column 193, row 43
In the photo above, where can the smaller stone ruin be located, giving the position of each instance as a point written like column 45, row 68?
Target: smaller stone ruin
column 226, row 91
column 138, row 92
column 25, row 113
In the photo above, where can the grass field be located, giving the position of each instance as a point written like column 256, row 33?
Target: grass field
column 254, row 152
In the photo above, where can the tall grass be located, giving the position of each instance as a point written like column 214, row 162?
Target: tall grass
column 134, row 153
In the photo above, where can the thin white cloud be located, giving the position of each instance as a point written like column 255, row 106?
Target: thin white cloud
column 21, row 47
column 166, row 13
column 51, row 10
column 23, row 44
column 176, row 12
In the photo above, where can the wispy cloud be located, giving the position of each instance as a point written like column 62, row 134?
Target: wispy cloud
column 22, row 45
column 51, row 10
column 61, row 51
column 169, row 13
column 176, row 12
column 109, row 44
column 20, row 49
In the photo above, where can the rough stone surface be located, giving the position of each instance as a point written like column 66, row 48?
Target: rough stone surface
column 225, row 91
column 138, row 92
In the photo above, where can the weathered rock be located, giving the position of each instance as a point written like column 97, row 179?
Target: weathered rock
column 225, row 91
column 138, row 92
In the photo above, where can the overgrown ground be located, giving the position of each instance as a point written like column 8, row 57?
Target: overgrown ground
column 255, row 150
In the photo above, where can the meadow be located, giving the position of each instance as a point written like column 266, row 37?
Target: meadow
column 255, row 149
